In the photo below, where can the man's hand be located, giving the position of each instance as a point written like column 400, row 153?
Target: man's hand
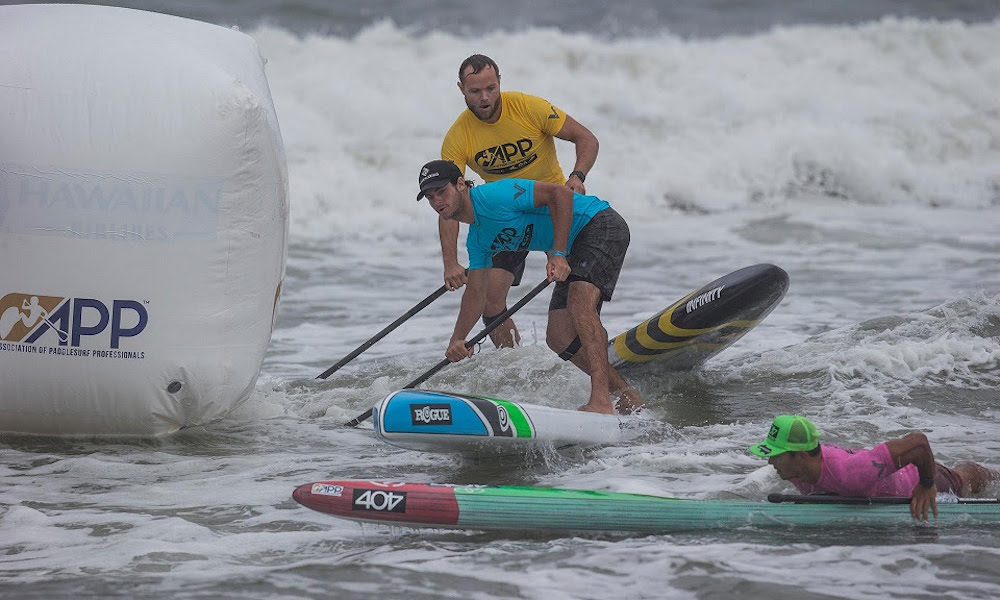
column 506, row 335
column 455, row 276
column 457, row 351
column 576, row 185
column 924, row 501
column 557, row 269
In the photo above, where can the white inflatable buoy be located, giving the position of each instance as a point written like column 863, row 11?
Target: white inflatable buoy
column 143, row 220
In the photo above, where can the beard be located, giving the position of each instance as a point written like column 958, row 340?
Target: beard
column 490, row 112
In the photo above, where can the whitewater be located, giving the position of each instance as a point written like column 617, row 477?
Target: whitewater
column 862, row 159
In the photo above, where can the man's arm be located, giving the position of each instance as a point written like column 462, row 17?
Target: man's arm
column 914, row 449
column 559, row 200
column 454, row 273
column 473, row 299
column 586, row 150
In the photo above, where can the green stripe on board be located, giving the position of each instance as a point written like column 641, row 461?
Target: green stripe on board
column 533, row 508
column 520, row 421
column 544, row 494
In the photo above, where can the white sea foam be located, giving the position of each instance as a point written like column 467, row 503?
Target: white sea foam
column 897, row 112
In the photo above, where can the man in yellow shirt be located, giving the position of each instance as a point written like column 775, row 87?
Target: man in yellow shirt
column 506, row 134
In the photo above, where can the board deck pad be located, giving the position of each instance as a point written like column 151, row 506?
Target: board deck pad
column 555, row 509
column 438, row 421
column 700, row 325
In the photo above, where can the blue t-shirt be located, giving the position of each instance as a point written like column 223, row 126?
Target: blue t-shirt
column 508, row 220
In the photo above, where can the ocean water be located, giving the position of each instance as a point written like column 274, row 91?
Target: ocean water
column 857, row 147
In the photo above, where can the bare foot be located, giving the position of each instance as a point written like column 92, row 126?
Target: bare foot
column 628, row 401
column 599, row 407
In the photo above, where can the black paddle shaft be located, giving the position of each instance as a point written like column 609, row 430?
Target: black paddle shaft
column 831, row 499
column 419, row 307
column 479, row 337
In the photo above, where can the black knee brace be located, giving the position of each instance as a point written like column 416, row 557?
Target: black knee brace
column 571, row 350
column 489, row 320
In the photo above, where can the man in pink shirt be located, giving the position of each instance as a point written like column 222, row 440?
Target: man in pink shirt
column 903, row 467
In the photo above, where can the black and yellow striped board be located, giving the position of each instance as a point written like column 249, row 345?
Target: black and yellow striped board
column 705, row 322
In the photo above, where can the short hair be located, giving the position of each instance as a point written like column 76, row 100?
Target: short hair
column 814, row 452
column 478, row 62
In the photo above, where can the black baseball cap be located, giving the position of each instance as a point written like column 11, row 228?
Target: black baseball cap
column 437, row 174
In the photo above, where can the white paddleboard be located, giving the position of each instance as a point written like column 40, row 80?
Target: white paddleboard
column 434, row 421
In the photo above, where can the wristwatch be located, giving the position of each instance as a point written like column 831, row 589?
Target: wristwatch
column 580, row 176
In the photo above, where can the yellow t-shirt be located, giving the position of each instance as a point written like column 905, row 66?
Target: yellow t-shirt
column 520, row 144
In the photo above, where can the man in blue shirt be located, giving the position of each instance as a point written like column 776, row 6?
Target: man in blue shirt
column 585, row 240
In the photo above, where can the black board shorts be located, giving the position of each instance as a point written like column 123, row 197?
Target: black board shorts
column 597, row 256
column 947, row 481
column 511, row 261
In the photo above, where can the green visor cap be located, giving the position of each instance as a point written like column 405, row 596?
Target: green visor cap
column 789, row 433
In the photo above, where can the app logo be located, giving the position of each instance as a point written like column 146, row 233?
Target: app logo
column 327, row 489
column 506, row 158
column 59, row 325
column 504, row 240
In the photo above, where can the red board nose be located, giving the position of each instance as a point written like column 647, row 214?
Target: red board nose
column 382, row 501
